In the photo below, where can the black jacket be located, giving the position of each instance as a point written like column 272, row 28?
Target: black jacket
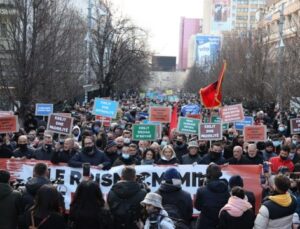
column 43, row 154
column 28, row 153
column 170, row 162
column 97, row 158
column 189, row 159
column 209, row 200
column 10, row 207
column 32, row 186
column 246, row 221
column 112, row 156
column 174, row 195
column 62, row 156
column 180, row 151
column 207, row 159
column 126, row 192
column 242, row 161
column 55, row 220
column 6, row 151
column 122, row 161
column 255, row 160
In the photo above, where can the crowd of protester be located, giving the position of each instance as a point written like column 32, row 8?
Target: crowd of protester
column 222, row 203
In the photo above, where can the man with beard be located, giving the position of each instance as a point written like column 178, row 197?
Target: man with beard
column 203, row 149
column 215, row 156
column 180, row 147
column 120, row 143
column 111, row 151
column 46, row 151
column 269, row 151
column 66, row 153
column 253, row 157
column 23, row 151
column 90, row 155
column 238, row 157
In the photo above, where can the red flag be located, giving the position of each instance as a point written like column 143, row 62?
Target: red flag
column 174, row 120
column 211, row 95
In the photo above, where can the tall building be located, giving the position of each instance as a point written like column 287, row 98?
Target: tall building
column 188, row 27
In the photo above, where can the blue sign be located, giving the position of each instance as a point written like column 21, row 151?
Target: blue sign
column 248, row 121
column 105, row 108
column 192, row 109
column 43, row 109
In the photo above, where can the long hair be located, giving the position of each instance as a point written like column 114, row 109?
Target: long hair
column 88, row 201
column 47, row 201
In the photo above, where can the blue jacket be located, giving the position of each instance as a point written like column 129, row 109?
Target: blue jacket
column 97, row 158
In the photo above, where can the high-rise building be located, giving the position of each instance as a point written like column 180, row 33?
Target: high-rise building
column 188, row 27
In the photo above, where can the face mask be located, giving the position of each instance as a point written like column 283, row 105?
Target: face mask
column 283, row 158
column 295, row 142
column 88, row 149
column 291, row 156
column 127, row 140
column 23, row 146
column 281, row 129
column 230, row 136
column 48, row 147
column 75, row 134
column 179, row 143
column 125, row 155
column 119, row 147
column 276, row 143
column 98, row 142
column 31, row 138
column 215, row 155
column 163, row 143
column 202, row 147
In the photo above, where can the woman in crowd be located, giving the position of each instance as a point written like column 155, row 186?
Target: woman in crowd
column 46, row 212
column 87, row 208
column 168, row 156
column 237, row 213
column 148, row 157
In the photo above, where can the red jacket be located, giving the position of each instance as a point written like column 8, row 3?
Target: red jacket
column 277, row 162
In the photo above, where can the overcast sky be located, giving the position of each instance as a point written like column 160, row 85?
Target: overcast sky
column 160, row 17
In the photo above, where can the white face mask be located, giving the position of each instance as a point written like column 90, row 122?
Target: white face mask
column 125, row 155
column 127, row 140
column 163, row 143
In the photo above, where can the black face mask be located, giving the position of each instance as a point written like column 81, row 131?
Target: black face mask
column 23, row 147
column 48, row 147
column 202, row 147
column 119, row 147
column 214, row 155
column 283, row 158
column 88, row 149
column 269, row 151
column 179, row 143
column 99, row 142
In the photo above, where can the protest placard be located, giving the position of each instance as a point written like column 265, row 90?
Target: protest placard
column 248, row 121
column 43, row 109
column 160, row 114
column 295, row 125
column 158, row 127
column 106, row 108
column 60, row 124
column 255, row 133
column 188, row 125
column 210, row 131
column 104, row 120
column 145, row 132
column 215, row 119
column 9, row 124
column 232, row 113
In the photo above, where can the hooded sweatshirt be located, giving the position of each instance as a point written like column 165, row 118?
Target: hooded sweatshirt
column 236, row 206
column 164, row 221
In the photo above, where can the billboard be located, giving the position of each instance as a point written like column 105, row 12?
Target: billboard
column 221, row 16
column 207, row 48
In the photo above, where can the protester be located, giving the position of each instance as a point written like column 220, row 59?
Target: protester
column 66, row 153
column 148, row 157
column 45, row 212
column 193, row 156
column 168, row 156
column 90, row 155
column 237, row 213
column 214, row 156
column 6, row 150
column 211, row 198
column 87, row 209
column 124, row 200
column 10, row 203
column 277, row 210
column 180, row 147
column 111, row 151
column 125, row 158
column 177, row 202
column 237, row 181
column 23, row 151
column 157, row 216
column 46, row 151
column 269, row 151
column 40, row 177
column 238, row 157
column 253, row 157
column 282, row 160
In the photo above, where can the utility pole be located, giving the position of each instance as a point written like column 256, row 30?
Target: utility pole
column 88, row 50
column 280, row 59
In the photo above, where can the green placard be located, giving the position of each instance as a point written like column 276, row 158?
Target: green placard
column 225, row 126
column 145, row 132
column 215, row 119
column 188, row 125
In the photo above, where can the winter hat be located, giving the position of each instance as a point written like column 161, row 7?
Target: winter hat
column 193, row 144
column 110, row 144
column 213, row 172
column 153, row 199
column 172, row 176
column 236, row 180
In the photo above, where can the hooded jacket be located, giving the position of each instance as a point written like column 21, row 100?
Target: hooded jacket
column 126, row 192
column 209, row 200
column 77, row 138
column 164, row 221
column 276, row 212
column 237, row 213
column 9, row 206
column 32, row 186
column 174, row 195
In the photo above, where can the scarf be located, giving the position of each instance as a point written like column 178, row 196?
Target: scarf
column 236, row 206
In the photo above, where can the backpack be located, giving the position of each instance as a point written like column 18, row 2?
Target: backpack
column 178, row 223
column 175, row 215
